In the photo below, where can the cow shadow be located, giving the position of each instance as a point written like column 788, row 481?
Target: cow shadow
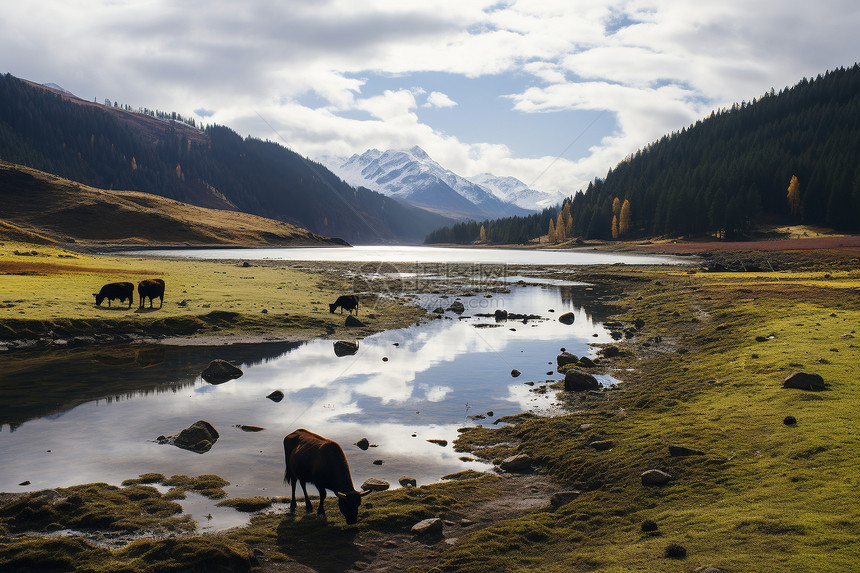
column 146, row 310
column 113, row 308
column 318, row 543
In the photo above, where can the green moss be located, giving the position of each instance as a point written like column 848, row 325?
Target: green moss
column 764, row 496
column 209, row 485
column 250, row 504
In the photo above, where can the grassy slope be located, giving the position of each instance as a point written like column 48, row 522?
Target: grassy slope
column 765, row 496
column 38, row 206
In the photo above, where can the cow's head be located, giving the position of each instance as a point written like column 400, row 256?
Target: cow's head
column 99, row 298
column 331, row 307
column 348, row 503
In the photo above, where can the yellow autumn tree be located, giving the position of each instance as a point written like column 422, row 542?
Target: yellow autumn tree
column 560, row 232
column 614, row 226
column 483, row 235
column 624, row 219
column 568, row 219
column 550, row 236
column 794, row 195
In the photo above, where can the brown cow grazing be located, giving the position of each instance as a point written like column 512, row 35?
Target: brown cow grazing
column 346, row 301
column 151, row 288
column 312, row 458
column 119, row 291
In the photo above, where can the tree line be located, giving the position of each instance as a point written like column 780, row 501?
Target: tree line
column 788, row 157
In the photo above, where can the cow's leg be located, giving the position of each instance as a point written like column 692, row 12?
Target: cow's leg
column 308, row 507
column 321, row 508
column 161, row 302
column 293, row 502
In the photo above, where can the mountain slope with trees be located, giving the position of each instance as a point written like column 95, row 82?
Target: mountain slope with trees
column 791, row 157
column 111, row 147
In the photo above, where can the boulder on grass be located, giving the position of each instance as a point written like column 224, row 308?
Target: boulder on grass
column 220, row 371
column 561, row 498
column 375, row 484
column 676, row 450
column 804, row 381
column 655, row 477
column 577, row 381
column 516, row 463
column 353, row 321
column 428, row 527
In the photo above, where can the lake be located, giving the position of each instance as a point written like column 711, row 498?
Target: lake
column 421, row 254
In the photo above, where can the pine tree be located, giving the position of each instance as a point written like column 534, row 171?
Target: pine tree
column 551, row 236
column 560, row 232
column 794, row 195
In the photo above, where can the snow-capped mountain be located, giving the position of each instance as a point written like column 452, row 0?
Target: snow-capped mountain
column 414, row 177
column 512, row 190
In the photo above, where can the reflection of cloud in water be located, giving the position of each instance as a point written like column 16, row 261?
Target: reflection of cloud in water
column 437, row 393
column 421, row 389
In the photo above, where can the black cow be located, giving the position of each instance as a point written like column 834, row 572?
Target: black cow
column 346, row 301
column 119, row 291
column 312, row 458
column 152, row 289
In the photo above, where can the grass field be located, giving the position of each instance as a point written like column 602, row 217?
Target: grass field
column 46, row 291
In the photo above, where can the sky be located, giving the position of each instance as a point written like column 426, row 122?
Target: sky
column 552, row 92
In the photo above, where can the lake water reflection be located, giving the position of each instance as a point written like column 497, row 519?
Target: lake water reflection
column 421, row 254
column 400, row 389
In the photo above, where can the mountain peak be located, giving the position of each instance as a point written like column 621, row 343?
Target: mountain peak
column 418, row 153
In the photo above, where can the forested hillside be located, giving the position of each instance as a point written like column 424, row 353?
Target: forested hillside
column 113, row 148
column 791, row 157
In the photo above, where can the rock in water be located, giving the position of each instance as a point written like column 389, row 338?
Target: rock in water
column 276, row 396
column 220, row 371
column 363, row 444
column 198, row 437
column 345, row 348
column 804, row 381
column 567, row 318
column 565, row 358
column 577, row 380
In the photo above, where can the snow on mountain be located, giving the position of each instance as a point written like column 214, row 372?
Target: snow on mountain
column 512, row 190
column 54, row 86
column 414, row 177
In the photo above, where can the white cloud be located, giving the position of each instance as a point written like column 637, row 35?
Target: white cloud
column 653, row 66
column 438, row 99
